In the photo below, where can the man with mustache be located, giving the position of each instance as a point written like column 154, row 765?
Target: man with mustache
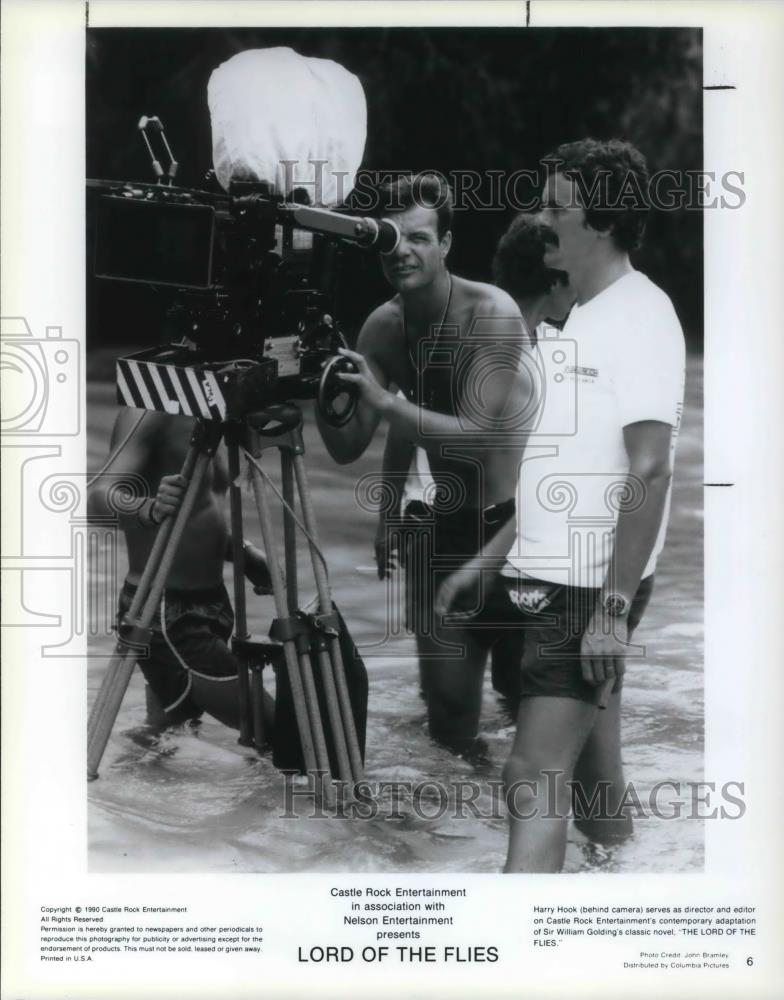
column 592, row 510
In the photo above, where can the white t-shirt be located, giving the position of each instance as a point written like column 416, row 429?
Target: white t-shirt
column 420, row 484
column 620, row 359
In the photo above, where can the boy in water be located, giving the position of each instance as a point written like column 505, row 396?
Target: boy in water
column 189, row 668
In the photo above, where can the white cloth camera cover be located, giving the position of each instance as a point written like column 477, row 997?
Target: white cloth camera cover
column 268, row 106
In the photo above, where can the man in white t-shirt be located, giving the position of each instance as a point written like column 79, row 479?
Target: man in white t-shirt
column 593, row 503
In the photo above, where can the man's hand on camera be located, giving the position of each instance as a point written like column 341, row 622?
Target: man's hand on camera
column 387, row 548
column 257, row 569
column 370, row 392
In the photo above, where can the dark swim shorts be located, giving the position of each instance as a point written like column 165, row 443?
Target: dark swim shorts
column 190, row 630
column 435, row 544
column 552, row 619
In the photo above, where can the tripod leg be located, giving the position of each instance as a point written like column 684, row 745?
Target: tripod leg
column 336, row 686
column 304, row 726
column 162, row 538
column 257, row 707
column 246, row 738
column 148, row 595
column 289, row 531
column 344, row 766
column 292, row 595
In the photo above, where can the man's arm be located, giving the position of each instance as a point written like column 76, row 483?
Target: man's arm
column 650, row 471
column 461, row 587
column 398, row 452
column 348, row 443
column 493, row 382
column 134, row 441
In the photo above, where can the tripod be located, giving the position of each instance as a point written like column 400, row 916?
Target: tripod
column 296, row 637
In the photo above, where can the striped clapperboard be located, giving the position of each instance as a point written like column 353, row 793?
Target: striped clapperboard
column 162, row 379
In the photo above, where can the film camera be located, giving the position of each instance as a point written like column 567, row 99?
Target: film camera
column 252, row 278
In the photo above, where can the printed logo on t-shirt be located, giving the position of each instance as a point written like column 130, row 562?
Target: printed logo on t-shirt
column 533, row 601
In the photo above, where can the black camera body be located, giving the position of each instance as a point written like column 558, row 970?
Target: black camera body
column 251, row 314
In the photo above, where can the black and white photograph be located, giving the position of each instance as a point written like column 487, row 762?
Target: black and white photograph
column 442, row 341
column 391, row 471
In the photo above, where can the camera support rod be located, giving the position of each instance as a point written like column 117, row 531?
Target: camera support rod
column 295, row 643
column 231, row 434
column 154, row 124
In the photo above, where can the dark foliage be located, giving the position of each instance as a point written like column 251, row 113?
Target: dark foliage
column 440, row 99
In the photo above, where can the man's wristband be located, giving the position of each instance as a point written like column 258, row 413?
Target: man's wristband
column 145, row 516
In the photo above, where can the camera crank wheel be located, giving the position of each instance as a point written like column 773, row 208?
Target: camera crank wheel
column 337, row 400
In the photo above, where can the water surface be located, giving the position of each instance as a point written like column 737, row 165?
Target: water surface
column 198, row 802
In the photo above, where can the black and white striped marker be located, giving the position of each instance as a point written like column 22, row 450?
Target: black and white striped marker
column 149, row 385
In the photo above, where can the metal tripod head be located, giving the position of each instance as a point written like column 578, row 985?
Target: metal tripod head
column 279, row 425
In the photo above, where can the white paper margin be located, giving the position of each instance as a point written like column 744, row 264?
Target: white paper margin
column 44, row 802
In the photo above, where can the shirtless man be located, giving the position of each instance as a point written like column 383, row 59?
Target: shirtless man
column 452, row 347
column 190, row 668
column 541, row 294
